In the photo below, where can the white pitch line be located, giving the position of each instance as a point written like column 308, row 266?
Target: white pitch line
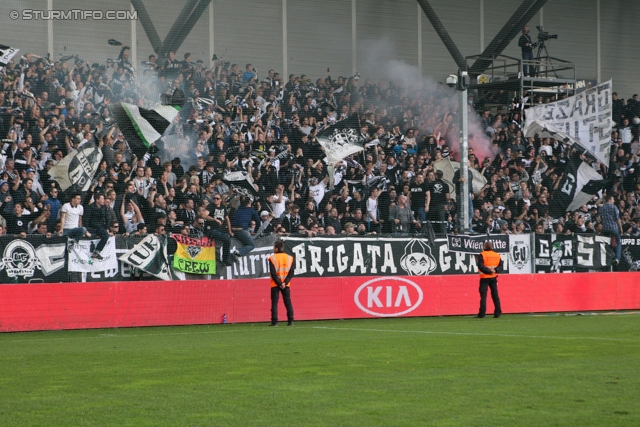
column 478, row 334
column 105, row 336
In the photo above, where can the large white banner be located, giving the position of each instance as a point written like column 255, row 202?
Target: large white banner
column 520, row 254
column 80, row 260
column 584, row 119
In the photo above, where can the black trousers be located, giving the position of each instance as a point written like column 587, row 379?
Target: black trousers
column 286, row 297
column 493, row 284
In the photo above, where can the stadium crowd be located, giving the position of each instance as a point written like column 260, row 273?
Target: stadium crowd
column 265, row 127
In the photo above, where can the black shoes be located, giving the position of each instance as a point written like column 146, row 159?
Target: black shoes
column 497, row 315
column 290, row 323
column 273, row 324
column 480, row 316
column 96, row 255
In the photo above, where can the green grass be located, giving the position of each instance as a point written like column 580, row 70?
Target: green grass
column 517, row 370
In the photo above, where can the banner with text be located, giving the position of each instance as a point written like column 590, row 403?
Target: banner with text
column 630, row 254
column 195, row 256
column 584, row 118
column 374, row 256
column 520, row 254
column 80, row 260
column 475, row 244
column 35, row 258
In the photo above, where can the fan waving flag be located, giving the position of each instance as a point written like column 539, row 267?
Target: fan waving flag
column 342, row 139
column 77, row 169
column 579, row 183
column 140, row 126
column 242, row 183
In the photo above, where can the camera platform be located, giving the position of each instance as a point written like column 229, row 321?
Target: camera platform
column 553, row 76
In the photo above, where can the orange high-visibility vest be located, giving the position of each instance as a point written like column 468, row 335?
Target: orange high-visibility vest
column 491, row 260
column 283, row 263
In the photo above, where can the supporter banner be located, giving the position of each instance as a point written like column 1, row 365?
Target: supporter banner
column 251, row 266
column 150, row 256
column 520, row 254
column 36, row 258
column 593, row 252
column 372, row 256
column 80, row 260
column 77, row 168
column 630, row 254
column 553, row 253
column 196, row 256
column 584, row 118
column 474, row 244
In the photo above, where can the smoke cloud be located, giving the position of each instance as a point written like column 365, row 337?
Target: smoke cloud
column 380, row 64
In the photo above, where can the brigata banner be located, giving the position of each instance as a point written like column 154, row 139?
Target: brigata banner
column 475, row 244
column 378, row 256
column 195, row 256
column 36, row 258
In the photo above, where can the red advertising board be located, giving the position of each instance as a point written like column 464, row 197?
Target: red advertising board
column 25, row 307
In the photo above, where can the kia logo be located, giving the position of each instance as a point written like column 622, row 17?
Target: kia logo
column 388, row 296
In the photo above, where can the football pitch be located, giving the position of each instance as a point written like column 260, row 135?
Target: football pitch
column 569, row 370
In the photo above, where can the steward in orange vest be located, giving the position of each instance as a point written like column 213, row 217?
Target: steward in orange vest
column 489, row 265
column 281, row 271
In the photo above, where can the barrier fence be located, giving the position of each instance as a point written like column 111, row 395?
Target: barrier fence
column 38, row 259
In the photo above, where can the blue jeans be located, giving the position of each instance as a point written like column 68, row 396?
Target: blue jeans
column 75, row 233
column 246, row 239
column 531, row 69
column 103, row 235
column 219, row 236
column 422, row 215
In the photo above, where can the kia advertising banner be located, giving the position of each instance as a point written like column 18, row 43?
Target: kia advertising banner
column 126, row 304
column 378, row 256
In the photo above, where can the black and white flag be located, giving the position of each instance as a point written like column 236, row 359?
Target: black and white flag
column 141, row 126
column 241, row 182
column 583, row 119
column 150, row 256
column 578, row 185
column 78, row 167
column 6, row 53
column 342, row 139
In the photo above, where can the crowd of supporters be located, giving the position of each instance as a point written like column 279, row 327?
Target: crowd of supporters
column 265, row 127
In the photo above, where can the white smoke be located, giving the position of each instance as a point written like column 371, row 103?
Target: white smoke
column 380, row 63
